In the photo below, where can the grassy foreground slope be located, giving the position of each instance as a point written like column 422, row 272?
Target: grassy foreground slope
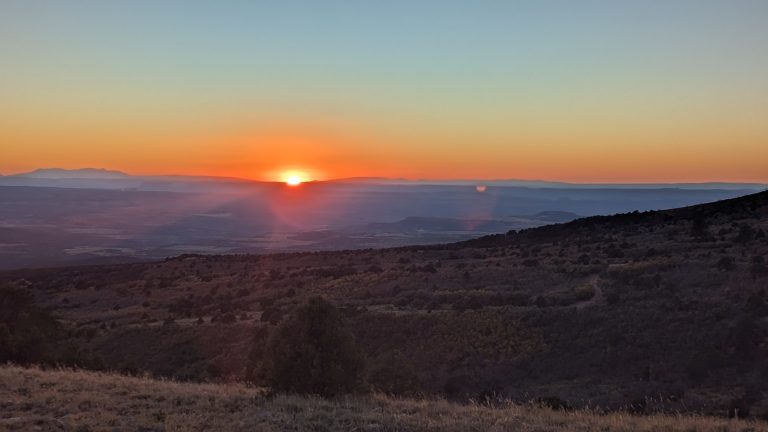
column 33, row 399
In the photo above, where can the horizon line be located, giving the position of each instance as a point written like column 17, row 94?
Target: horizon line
column 399, row 179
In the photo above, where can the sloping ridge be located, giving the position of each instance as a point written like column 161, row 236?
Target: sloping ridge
column 752, row 205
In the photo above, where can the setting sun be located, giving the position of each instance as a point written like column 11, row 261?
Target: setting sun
column 294, row 178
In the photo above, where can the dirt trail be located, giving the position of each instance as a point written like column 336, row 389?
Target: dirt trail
column 596, row 299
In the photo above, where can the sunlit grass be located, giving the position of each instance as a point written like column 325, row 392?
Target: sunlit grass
column 100, row 401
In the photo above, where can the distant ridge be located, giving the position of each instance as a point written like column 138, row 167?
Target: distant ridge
column 549, row 184
column 82, row 173
column 101, row 178
column 748, row 206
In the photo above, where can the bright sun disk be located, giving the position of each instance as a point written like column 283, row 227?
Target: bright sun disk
column 294, row 177
column 293, row 180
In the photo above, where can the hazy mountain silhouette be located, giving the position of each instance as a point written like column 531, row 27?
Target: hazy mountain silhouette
column 82, row 173
column 112, row 179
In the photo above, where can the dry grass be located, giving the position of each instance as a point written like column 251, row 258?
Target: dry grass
column 33, row 399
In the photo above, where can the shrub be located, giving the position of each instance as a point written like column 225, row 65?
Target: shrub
column 726, row 264
column 456, row 386
column 758, row 268
column 313, row 352
column 375, row 269
column 553, row 402
column 394, row 375
column 26, row 331
column 272, row 315
column 224, row 318
column 746, row 234
column 738, row 408
column 614, row 252
column 700, row 227
column 613, row 298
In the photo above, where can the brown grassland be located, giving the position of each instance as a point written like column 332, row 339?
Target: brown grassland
column 51, row 400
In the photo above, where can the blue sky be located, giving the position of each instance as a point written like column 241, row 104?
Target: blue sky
column 421, row 77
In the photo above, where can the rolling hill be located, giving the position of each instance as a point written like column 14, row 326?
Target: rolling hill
column 652, row 311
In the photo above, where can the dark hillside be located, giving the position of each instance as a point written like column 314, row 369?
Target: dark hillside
column 663, row 310
column 744, row 207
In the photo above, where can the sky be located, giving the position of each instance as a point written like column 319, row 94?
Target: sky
column 584, row 91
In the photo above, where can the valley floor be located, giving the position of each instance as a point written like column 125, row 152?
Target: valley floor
column 48, row 400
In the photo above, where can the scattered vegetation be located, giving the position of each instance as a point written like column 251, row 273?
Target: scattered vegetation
column 650, row 312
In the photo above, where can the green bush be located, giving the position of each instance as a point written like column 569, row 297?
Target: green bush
column 313, row 352
column 26, row 331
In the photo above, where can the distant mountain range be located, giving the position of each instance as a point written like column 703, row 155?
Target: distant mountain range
column 100, row 178
column 555, row 184
column 83, row 173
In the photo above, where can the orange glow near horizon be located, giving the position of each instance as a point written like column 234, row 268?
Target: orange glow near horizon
column 324, row 150
column 589, row 92
column 294, row 178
